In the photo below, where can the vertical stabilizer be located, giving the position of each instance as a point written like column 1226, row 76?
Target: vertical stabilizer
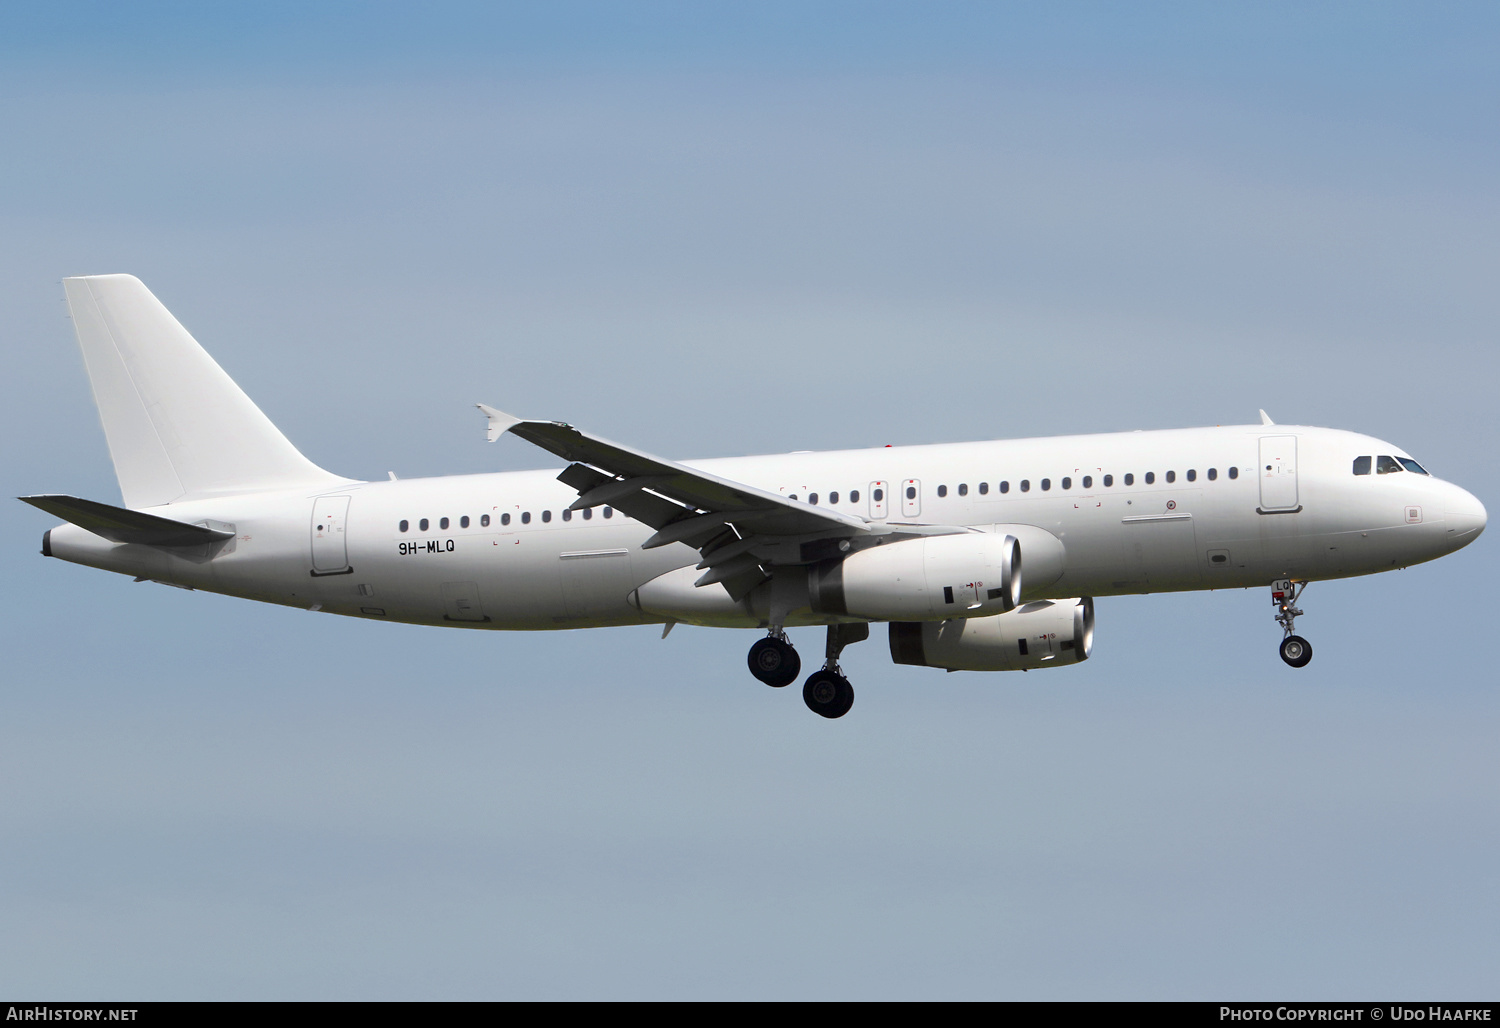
column 178, row 427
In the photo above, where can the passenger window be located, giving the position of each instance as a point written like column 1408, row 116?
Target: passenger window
column 1234, row 472
column 405, row 525
column 1025, row 485
column 812, row 498
column 463, row 522
column 1192, row 476
column 1150, row 478
column 942, row 491
column 609, row 512
column 793, row 497
column 833, row 499
column 1361, row 465
column 588, row 513
column 1412, row 466
column 546, row 515
column 1386, row 465
column 1046, row 484
column 525, row 517
column 911, row 492
column 854, row 495
column 567, row 515
column 1109, row 480
column 1088, row 481
column 1130, row 480
column 1005, row 487
column 963, row 489
column 878, row 495
column 422, row 524
column 1213, row 474
column 442, row 522
column 1171, row 477
column 984, row 488
column 505, row 519
column 1067, row 483
column 484, row 521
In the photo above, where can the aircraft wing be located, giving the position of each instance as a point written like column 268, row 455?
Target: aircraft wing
column 737, row 528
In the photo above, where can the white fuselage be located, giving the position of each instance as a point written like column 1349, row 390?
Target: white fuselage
column 1223, row 507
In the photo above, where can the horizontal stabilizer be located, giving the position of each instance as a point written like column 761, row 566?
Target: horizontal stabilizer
column 119, row 525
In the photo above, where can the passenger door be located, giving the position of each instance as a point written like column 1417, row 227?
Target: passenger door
column 1278, row 474
column 330, row 549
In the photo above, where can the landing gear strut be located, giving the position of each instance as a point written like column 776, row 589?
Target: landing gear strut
column 828, row 692
column 773, row 660
column 1295, row 650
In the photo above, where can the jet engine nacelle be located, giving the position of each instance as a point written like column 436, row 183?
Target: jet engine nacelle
column 933, row 577
column 1047, row 633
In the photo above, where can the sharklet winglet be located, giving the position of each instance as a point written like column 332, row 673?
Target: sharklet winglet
column 499, row 421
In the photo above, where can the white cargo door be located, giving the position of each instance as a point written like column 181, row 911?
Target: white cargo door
column 596, row 582
column 878, row 498
column 1278, row 473
column 330, row 548
column 1161, row 551
column 911, row 498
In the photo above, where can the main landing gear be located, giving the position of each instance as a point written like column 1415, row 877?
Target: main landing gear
column 1295, row 650
column 773, row 661
column 827, row 692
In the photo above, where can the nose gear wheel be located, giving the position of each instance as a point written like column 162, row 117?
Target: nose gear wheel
column 1296, row 651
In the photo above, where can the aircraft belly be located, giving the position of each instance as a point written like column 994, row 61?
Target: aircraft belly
column 508, row 572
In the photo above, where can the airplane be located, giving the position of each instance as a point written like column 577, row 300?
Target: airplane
column 978, row 556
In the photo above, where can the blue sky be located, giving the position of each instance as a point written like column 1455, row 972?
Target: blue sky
column 705, row 232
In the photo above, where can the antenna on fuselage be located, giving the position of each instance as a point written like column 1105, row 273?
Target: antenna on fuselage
column 1265, row 419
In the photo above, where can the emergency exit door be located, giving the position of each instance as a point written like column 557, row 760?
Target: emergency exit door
column 911, row 498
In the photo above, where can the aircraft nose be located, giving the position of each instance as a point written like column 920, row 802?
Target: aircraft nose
column 1465, row 517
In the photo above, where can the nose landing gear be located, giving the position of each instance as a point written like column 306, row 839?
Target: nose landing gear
column 1295, row 650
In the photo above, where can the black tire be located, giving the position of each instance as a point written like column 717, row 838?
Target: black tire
column 774, row 662
column 828, row 694
column 1296, row 651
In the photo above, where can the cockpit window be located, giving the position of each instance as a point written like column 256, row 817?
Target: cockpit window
column 1412, row 465
column 1386, row 465
column 1361, row 465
